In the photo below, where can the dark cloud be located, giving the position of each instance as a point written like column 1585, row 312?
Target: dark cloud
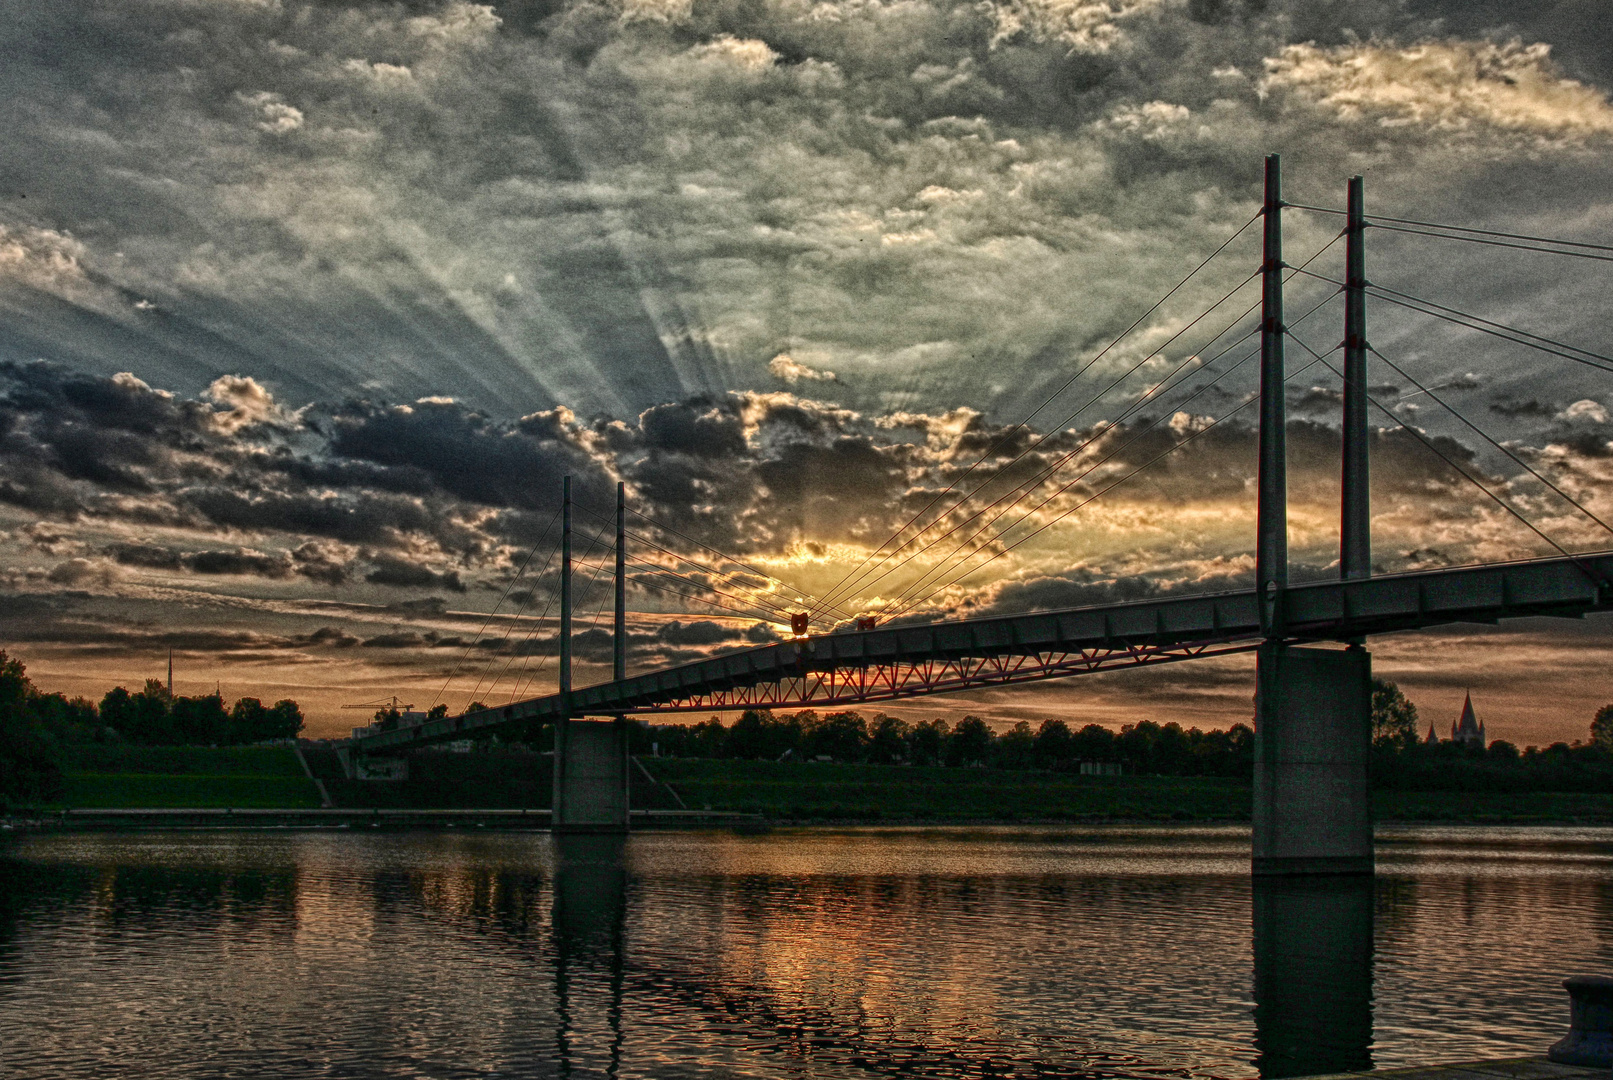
column 469, row 455
column 240, row 561
column 1513, row 407
column 704, row 632
column 407, row 639
column 395, row 570
column 703, row 427
column 331, row 636
column 151, row 556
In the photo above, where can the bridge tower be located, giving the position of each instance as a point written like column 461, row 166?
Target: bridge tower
column 1312, row 813
column 590, row 756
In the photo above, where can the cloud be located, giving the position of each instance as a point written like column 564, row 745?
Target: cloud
column 246, row 403
column 80, row 572
column 398, row 571
column 1452, row 86
column 703, row 632
column 331, row 636
column 1529, row 407
column 406, row 639
column 42, row 259
column 785, row 367
column 274, row 115
column 1584, row 411
column 243, row 561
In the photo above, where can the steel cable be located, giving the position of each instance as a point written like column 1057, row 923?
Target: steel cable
column 910, row 590
column 490, row 615
column 1093, row 498
column 1485, row 436
column 991, row 449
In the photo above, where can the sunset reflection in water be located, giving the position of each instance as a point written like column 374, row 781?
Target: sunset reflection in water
column 1114, row 952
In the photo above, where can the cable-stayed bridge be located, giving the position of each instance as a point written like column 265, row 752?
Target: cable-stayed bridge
column 891, row 663
column 1312, row 702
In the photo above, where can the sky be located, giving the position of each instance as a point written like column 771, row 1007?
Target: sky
column 307, row 307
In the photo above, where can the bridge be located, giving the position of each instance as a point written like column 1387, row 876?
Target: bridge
column 1313, row 671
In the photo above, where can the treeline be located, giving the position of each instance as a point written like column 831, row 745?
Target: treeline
column 1402, row 762
column 35, row 727
column 1501, row 766
column 153, row 717
column 1145, row 747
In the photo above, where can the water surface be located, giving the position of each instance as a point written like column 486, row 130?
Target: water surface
column 1005, row 952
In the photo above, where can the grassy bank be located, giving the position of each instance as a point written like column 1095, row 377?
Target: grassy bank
column 197, row 777
column 1494, row 807
column 822, row 791
column 874, row 792
column 112, row 776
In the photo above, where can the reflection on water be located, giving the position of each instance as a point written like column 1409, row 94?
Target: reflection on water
column 590, row 912
column 1119, row 952
column 1313, row 975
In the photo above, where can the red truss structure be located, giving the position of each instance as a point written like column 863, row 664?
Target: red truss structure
column 858, row 685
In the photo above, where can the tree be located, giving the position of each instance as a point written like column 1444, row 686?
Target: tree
column 285, row 720
column 1602, row 727
column 750, row 736
column 927, row 742
column 1054, row 743
column 249, row 721
column 970, row 742
column 1135, row 745
column 1016, row 749
column 30, row 764
column 199, row 721
column 140, row 718
column 1394, row 719
column 841, row 735
column 887, row 740
column 1093, row 743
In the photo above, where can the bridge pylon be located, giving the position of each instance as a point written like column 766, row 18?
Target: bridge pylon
column 590, row 791
column 1313, row 705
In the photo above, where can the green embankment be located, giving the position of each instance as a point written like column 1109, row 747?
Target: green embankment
column 104, row 776
column 1495, row 807
column 868, row 792
column 163, row 777
column 874, row 792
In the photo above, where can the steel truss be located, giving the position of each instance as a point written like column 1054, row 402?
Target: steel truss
column 862, row 683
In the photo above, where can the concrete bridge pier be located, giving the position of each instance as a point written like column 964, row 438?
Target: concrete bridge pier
column 590, row 776
column 1313, row 737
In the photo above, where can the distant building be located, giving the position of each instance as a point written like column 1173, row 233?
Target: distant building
column 1433, row 736
column 1468, row 729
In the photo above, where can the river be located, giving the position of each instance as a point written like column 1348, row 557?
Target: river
column 990, row 952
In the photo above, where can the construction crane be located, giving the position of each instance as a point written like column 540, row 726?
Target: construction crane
column 382, row 703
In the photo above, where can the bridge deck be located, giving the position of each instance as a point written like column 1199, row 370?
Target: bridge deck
column 908, row 661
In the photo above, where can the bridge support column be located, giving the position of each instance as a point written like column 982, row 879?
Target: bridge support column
column 590, row 776
column 1313, row 736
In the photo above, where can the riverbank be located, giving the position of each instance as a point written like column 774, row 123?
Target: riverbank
column 268, row 778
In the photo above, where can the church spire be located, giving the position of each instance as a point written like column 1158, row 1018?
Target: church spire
column 1468, row 729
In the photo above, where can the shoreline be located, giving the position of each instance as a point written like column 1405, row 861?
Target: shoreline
column 188, row 819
